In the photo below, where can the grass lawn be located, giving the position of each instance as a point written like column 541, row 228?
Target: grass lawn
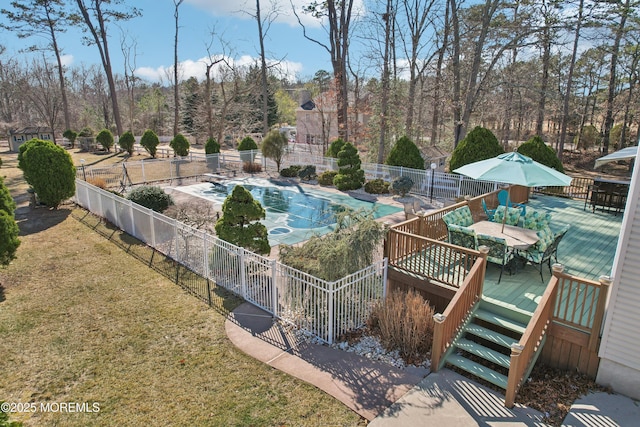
column 82, row 320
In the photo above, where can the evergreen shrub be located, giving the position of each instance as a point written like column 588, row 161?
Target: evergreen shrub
column 151, row 197
column 376, row 186
column 479, row 144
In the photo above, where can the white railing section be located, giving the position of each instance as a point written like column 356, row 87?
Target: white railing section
column 432, row 184
column 324, row 309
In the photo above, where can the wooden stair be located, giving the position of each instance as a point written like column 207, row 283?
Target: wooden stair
column 483, row 347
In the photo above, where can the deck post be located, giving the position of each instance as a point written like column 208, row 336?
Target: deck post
column 605, row 282
column 514, row 377
column 436, row 347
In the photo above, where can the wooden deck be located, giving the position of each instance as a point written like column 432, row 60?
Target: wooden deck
column 587, row 251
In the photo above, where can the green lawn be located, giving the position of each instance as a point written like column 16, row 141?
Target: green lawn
column 84, row 320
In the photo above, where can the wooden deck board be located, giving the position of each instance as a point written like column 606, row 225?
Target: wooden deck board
column 586, row 251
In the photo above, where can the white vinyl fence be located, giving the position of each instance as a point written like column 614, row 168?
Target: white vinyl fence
column 433, row 184
column 323, row 309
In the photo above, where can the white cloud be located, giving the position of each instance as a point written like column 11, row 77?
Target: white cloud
column 66, row 60
column 197, row 68
column 283, row 7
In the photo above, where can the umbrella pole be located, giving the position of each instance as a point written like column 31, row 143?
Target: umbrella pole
column 506, row 208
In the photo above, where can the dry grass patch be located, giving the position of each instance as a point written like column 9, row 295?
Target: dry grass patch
column 82, row 320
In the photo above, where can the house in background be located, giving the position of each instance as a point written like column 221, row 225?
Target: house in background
column 20, row 136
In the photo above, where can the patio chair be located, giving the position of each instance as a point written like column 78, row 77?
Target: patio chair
column 503, row 200
column 536, row 220
column 513, row 215
column 487, row 211
column 544, row 249
column 557, row 238
column 499, row 252
column 462, row 236
column 461, row 216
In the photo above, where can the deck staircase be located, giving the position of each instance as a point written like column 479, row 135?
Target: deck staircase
column 483, row 347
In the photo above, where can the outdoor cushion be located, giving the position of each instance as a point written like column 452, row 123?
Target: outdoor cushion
column 499, row 252
column 536, row 252
column 462, row 236
column 513, row 215
column 461, row 216
column 536, row 220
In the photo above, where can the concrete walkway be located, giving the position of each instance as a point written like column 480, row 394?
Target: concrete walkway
column 390, row 397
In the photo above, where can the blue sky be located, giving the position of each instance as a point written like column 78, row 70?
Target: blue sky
column 153, row 33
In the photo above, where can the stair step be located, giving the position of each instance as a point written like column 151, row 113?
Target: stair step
column 478, row 370
column 502, row 321
column 483, row 352
column 490, row 335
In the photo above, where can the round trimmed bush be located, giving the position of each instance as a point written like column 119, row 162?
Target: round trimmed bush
column 291, row 171
column 247, row 143
column 326, row 177
column 150, row 142
column 127, row 141
column 376, row 186
column 211, row 146
column 402, row 185
column 180, row 145
column 151, row 197
column 406, row 154
column 335, row 147
column 105, row 138
column 541, row 153
column 49, row 169
column 479, row 144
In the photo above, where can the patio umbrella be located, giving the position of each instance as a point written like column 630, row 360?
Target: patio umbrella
column 514, row 168
column 624, row 154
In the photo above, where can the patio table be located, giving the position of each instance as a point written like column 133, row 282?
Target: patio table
column 516, row 237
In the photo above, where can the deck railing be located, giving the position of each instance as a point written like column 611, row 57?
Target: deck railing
column 580, row 305
column 522, row 353
column 437, row 261
column 448, row 324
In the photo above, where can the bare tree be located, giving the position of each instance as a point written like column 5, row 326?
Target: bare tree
column 338, row 14
column 211, row 61
column 43, row 92
column 129, row 53
column 263, row 29
column 96, row 10
column 176, row 96
column 46, row 18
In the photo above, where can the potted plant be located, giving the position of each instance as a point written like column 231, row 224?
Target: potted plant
column 212, row 150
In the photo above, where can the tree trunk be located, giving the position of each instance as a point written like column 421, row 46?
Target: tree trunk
column 546, row 56
column 567, row 95
column 263, row 74
column 176, row 91
column 384, row 101
column 438, row 82
column 608, row 121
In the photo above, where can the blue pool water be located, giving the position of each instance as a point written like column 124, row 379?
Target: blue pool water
column 293, row 214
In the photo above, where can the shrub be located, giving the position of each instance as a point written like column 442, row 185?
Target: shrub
column 247, row 143
column 541, row 153
column 151, row 197
column 71, row 136
column 150, row 142
column 349, row 248
column 9, row 230
column 335, row 147
column 326, row 177
column 291, row 171
column 98, row 182
column 180, row 145
column 251, row 167
column 376, row 186
column 105, row 138
column 86, row 132
column 211, row 146
column 402, row 185
column 274, row 146
column 615, row 135
column 239, row 223
column 404, row 322
column 308, row 173
column 127, row 142
column 405, row 153
column 49, row 169
column 350, row 176
column 479, row 144
column 589, row 137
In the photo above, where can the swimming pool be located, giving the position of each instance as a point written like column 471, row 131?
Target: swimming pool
column 293, row 213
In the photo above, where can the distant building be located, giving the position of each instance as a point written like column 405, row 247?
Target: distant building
column 20, row 136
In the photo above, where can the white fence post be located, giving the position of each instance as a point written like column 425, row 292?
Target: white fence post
column 243, row 281
column 274, row 287
column 331, row 312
